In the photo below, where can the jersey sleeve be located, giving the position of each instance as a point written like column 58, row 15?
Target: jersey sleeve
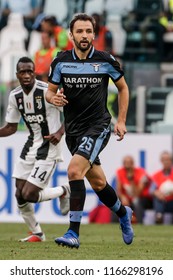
column 54, row 72
column 12, row 115
column 115, row 71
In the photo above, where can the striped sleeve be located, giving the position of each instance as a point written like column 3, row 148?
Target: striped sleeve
column 12, row 115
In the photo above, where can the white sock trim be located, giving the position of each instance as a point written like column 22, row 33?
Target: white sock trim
column 27, row 213
column 50, row 193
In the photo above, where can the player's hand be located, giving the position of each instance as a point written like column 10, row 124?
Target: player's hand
column 59, row 99
column 120, row 130
column 54, row 138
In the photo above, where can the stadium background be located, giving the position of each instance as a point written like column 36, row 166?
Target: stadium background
column 150, row 82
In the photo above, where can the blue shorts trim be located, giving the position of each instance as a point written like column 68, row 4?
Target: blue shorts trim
column 98, row 144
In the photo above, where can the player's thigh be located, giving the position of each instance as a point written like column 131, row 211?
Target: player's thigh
column 96, row 177
column 41, row 173
column 22, row 170
column 78, row 167
column 20, row 183
column 90, row 144
column 19, row 188
column 93, row 142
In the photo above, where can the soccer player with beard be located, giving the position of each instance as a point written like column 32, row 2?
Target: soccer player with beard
column 84, row 74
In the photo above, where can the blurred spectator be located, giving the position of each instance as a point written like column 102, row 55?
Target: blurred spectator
column 171, row 6
column 100, row 215
column 13, row 39
column 35, row 36
column 162, row 188
column 144, row 35
column 14, row 35
column 74, row 7
column 166, row 22
column 119, row 7
column 62, row 41
column 44, row 56
column 28, row 8
column 168, row 5
column 133, row 184
column 103, row 37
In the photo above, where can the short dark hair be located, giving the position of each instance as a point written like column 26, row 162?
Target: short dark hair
column 84, row 17
column 51, row 20
column 24, row 59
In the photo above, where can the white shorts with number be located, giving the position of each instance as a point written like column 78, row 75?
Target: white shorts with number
column 37, row 172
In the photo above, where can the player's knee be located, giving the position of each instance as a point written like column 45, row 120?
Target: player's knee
column 18, row 195
column 29, row 195
column 74, row 173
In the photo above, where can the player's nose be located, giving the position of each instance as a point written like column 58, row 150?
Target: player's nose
column 84, row 34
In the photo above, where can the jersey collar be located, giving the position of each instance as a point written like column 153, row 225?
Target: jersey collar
column 90, row 54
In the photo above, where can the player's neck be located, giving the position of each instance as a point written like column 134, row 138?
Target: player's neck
column 82, row 55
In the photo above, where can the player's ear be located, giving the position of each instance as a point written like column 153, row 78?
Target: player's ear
column 71, row 35
column 17, row 75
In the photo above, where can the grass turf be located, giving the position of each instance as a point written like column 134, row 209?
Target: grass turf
column 98, row 242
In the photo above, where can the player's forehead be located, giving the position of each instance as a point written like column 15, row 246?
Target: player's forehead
column 23, row 66
column 83, row 25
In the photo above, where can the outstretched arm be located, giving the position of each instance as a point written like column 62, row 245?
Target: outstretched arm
column 123, row 102
column 8, row 129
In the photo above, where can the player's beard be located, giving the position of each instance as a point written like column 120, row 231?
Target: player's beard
column 80, row 47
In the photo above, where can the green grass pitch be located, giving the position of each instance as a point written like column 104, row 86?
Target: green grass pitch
column 98, row 242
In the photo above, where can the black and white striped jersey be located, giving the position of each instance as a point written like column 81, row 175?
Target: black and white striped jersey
column 41, row 118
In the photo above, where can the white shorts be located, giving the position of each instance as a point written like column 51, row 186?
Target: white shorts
column 37, row 172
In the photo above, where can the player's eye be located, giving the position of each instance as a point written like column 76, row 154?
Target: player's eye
column 89, row 31
column 30, row 72
column 79, row 31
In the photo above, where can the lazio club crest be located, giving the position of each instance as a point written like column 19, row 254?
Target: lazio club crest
column 96, row 66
